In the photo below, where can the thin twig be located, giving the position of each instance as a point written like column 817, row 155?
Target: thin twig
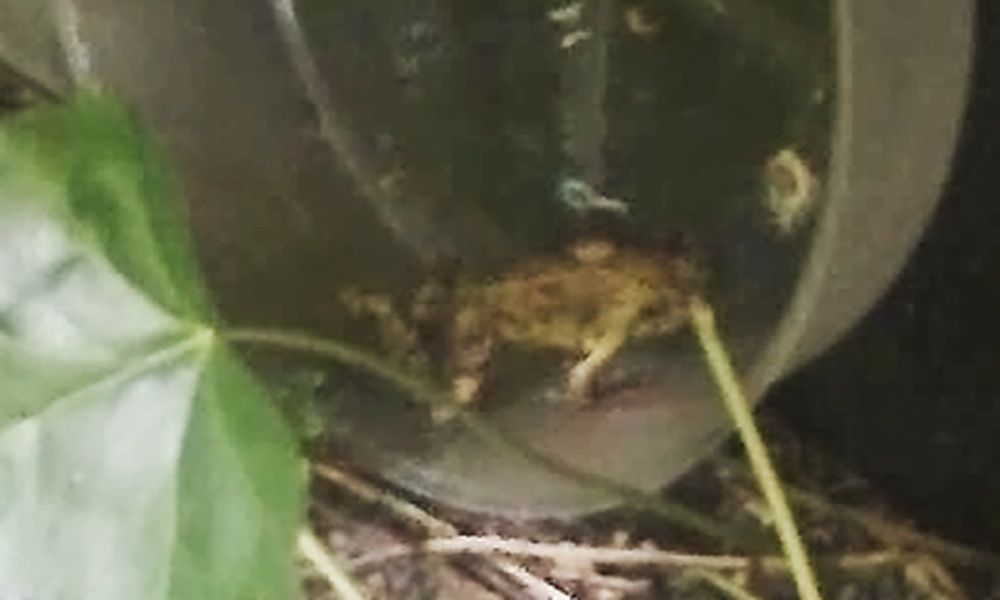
column 432, row 526
column 567, row 553
column 563, row 552
column 623, row 586
column 739, row 410
column 407, row 511
column 899, row 535
column 928, row 575
column 888, row 531
column 534, row 585
column 329, row 567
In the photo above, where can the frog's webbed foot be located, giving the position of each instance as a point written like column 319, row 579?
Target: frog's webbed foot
column 580, row 387
column 464, row 391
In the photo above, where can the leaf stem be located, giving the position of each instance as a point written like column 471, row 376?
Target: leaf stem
column 342, row 353
column 739, row 410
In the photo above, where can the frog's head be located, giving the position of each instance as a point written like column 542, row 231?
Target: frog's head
column 666, row 305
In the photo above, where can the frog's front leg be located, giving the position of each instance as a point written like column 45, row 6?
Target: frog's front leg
column 598, row 352
column 397, row 338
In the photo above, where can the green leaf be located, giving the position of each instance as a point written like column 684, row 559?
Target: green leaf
column 138, row 457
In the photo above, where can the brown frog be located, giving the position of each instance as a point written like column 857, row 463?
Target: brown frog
column 587, row 304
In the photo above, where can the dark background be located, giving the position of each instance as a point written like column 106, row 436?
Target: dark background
column 911, row 398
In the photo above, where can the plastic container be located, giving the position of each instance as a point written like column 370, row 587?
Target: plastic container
column 355, row 145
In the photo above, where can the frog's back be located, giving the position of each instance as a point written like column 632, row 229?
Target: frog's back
column 568, row 304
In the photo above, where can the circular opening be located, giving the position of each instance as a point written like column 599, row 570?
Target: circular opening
column 490, row 142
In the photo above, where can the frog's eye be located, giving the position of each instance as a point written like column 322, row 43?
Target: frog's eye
column 651, row 312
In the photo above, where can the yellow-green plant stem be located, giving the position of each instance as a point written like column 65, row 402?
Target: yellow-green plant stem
column 735, row 400
column 313, row 550
column 426, row 392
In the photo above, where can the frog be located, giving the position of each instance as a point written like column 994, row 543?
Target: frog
column 586, row 303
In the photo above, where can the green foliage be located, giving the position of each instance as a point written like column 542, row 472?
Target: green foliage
column 138, row 457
